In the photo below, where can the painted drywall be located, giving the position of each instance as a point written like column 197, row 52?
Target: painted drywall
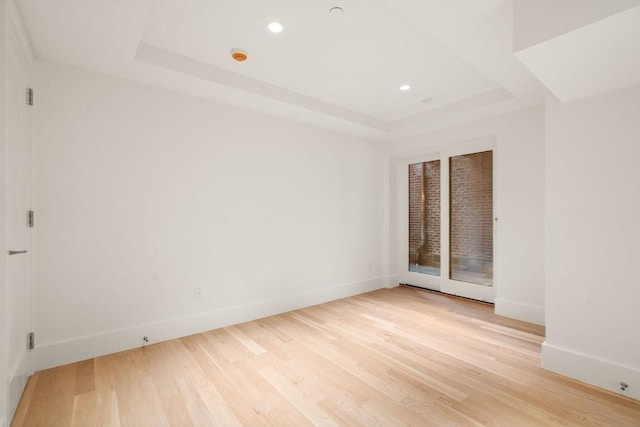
column 519, row 174
column 145, row 194
column 593, row 240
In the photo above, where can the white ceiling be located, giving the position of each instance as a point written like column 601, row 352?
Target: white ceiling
column 597, row 58
column 341, row 72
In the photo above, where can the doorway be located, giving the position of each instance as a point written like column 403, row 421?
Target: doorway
column 447, row 225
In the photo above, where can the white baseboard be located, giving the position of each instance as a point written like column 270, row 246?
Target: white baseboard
column 519, row 310
column 591, row 370
column 17, row 379
column 392, row 281
column 82, row 348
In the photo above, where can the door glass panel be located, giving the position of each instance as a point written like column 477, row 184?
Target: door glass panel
column 424, row 217
column 471, row 218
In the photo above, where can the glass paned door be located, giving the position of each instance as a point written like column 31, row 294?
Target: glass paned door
column 424, row 218
column 446, row 211
column 471, row 218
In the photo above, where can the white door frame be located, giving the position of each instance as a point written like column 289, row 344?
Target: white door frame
column 16, row 363
column 442, row 283
column 409, row 277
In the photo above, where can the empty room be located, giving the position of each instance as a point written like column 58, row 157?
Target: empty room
column 319, row 213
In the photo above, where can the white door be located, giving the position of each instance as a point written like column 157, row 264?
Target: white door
column 18, row 234
column 447, row 224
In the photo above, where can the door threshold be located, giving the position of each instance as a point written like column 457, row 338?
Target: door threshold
column 444, row 293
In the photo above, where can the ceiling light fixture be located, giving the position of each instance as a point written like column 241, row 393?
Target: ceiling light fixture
column 336, row 11
column 276, row 27
column 405, row 88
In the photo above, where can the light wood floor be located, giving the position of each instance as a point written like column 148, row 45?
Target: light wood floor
column 391, row 357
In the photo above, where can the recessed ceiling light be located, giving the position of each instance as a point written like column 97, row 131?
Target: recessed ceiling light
column 276, row 27
column 405, row 88
column 336, row 11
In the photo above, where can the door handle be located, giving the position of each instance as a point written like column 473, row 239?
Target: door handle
column 17, row 252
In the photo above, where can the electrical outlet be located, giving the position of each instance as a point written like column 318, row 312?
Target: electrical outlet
column 197, row 291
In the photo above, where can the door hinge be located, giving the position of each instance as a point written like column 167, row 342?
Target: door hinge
column 30, row 219
column 31, row 341
column 29, row 96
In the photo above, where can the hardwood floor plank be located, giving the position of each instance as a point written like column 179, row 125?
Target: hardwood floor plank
column 303, row 401
column 392, row 357
column 160, row 361
column 138, row 400
column 107, row 412
column 85, row 377
column 84, row 411
column 203, row 352
column 265, row 399
column 222, row 414
column 243, row 339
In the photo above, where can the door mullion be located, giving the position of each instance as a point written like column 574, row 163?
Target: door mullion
column 445, row 253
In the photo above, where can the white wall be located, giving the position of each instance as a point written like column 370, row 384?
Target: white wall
column 593, row 240
column 144, row 194
column 519, row 169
